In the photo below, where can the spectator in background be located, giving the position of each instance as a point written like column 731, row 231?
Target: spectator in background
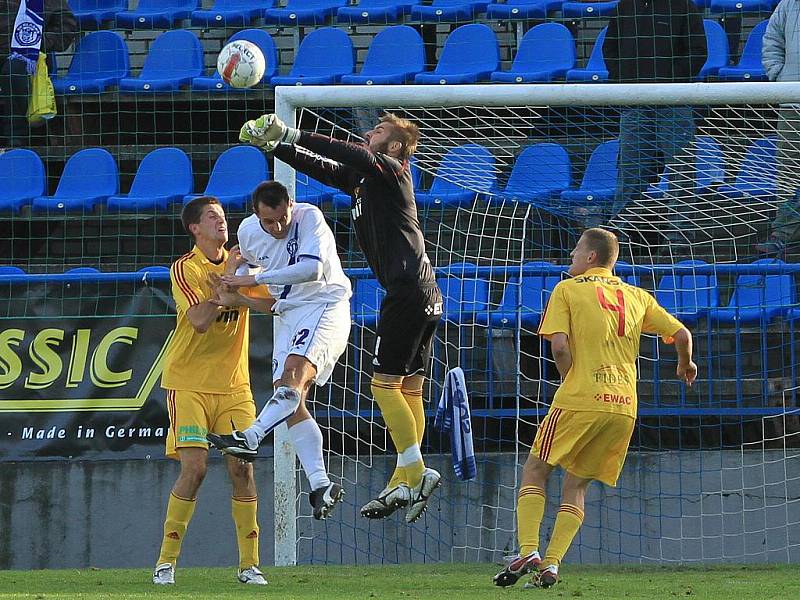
column 60, row 28
column 652, row 41
column 780, row 55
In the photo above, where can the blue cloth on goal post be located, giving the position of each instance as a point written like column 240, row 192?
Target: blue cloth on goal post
column 452, row 415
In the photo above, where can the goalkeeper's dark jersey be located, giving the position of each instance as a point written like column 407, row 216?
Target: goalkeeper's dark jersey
column 383, row 208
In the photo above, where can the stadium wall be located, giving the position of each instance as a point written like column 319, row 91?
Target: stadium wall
column 698, row 505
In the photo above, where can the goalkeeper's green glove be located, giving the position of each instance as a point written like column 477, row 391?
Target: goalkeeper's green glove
column 266, row 132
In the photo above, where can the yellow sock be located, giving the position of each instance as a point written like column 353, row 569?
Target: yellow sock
column 530, row 510
column 415, row 403
column 417, row 406
column 402, row 427
column 568, row 522
column 244, row 511
column 179, row 513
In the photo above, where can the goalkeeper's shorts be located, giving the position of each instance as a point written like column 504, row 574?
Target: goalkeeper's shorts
column 587, row 444
column 194, row 414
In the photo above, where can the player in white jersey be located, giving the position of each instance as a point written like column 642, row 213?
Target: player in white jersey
column 292, row 251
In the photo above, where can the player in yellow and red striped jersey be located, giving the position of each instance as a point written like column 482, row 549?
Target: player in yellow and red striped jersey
column 208, row 384
column 594, row 322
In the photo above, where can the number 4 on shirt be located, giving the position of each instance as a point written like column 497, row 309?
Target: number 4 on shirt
column 618, row 308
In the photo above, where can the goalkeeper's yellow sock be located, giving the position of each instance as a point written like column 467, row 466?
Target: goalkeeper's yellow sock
column 530, row 510
column 244, row 511
column 417, row 406
column 402, row 428
column 414, row 400
column 568, row 522
column 179, row 513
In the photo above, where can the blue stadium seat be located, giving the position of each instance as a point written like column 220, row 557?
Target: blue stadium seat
column 395, row 56
column 524, row 299
column 600, row 178
column 231, row 13
column 521, row 10
column 631, row 278
column 100, row 60
column 311, row 191
column 466, row 297
column 175, row 58
column 749, row 67
column 718, row 51
column 464, row 172
column 375, row 11
column 22, row 178
column 236, row 173
column 540, row 172
column 164, row 177
column 709, row 169
column 448, row 10
column 757, row 298
column 157, row 14
column 323, row 57
column 90, row 176
column 741, row 6
column 9, row 270
column 595, row 69
column 688, row 297
column 153, row 269
column 82, row 271
column 582, row 10
column 92, row 13
column 304, row 12
column 262, row 39
column 545, row 53
column 366, row 302
column 757, row 172
column 470, row 54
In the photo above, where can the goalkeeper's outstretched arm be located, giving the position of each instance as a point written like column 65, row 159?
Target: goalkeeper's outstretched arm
column 269, row 132
column 322, row 169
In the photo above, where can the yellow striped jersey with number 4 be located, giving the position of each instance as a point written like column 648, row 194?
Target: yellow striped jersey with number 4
column 215, row 361
column 604, row 319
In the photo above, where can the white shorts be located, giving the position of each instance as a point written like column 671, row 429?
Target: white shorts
column 319, row 332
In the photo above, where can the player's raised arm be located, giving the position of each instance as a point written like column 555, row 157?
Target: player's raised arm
column 266, row 136
column 269, row 133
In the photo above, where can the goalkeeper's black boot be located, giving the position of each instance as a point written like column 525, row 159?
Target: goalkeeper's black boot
column 324, row 499
column 234, row 444
column 517, row 569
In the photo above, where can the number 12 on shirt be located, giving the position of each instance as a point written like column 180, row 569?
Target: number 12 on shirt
column 618, row 308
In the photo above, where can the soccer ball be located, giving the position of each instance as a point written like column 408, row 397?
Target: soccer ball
column 241, row 64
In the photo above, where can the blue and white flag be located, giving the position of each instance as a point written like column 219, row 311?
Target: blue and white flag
column 452, row 415
column 26, row 40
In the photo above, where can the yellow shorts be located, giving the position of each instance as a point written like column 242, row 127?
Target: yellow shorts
column 588, row 444
column 193, row 414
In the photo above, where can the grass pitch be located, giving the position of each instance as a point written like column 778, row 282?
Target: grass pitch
column 410, row 582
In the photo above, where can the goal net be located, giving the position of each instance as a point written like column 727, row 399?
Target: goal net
column 690, row 177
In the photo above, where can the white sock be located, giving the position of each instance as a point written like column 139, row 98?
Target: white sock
column 307, row 439
column 283, row 404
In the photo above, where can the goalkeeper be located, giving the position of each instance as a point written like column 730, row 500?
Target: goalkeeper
column 377, row 177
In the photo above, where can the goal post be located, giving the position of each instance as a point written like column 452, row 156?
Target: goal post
column 688, row 234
